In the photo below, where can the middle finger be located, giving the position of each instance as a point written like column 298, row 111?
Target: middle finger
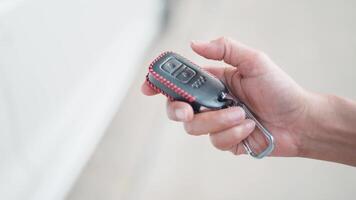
column 214, row 121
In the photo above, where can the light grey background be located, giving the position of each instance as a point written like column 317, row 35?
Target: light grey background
column 60, row 85
column 145, row 156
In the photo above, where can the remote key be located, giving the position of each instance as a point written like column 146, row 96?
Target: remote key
column 179, row 79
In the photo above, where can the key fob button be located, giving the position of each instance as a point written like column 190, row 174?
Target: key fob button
column 186, row 75
column 171, row 65
column 182, row 80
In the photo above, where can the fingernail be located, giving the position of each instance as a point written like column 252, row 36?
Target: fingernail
column 180, row 114
column 250, row 124
column 195, row 42
column 237, row 113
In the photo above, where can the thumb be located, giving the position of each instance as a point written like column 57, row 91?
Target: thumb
column 249, row 62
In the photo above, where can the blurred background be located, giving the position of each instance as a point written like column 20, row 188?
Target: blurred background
column 74, row 125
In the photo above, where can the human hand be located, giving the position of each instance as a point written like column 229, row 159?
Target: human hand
column 277, row 100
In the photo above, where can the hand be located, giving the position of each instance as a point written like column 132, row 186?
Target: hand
column 277, row 100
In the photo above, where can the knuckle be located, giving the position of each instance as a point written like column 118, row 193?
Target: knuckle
column 229, row 117
column 224, row 122
column 189, row 128
column 259, row 55
column 217, row 143
column 236, row 133
column 209, row 117
column 169, row 109
column 221, row 38
column 224, row 40
column 170, row 114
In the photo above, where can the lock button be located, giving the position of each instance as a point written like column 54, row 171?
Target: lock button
column 171, row 65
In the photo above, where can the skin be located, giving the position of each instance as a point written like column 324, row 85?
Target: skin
column 304, row 124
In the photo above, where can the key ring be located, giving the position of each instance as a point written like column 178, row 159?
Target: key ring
column 249, row 114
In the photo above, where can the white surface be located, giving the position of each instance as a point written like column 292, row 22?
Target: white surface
column 314, row 41
column 65, row 66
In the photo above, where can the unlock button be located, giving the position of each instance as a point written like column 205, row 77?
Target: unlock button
column 187, row 74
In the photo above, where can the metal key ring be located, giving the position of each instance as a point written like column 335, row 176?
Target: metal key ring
column 249, row 114
column 265, row 132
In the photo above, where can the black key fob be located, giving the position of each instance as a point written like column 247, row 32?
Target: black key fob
column 179, row 79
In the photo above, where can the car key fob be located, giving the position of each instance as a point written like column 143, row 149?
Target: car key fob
column 180, row 79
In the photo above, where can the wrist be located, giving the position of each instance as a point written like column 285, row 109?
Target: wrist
column 329, row 129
